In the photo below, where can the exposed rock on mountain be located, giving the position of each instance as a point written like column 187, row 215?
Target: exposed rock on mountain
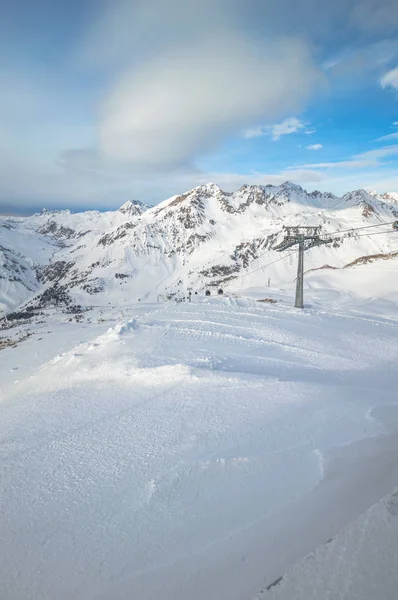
column 204, row 237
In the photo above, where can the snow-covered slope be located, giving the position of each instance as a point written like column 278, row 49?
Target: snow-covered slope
column 205, row 237
column 21, row 250
column 196, row 450
column 30, row 246
column 360, row 563
column 389, row 197
column 192, row 451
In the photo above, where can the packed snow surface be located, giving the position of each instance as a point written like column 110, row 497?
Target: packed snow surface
column 191, row 451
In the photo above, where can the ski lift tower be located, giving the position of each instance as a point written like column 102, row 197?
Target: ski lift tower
column 305, row 238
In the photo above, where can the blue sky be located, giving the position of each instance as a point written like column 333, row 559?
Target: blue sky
column 107, row 100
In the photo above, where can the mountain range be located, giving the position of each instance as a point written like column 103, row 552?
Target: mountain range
column 203, row 239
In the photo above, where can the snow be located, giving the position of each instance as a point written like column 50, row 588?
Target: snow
column 174, row 450
column 195, row 450
column 360, row 563
column 202, row 238
column 20, row 250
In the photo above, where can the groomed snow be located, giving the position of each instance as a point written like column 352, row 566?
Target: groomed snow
column 191, row 450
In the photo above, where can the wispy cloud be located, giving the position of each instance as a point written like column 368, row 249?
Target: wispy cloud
column 153, row 87
column 288, row 126
column 372, row 158
column 386, row 138
column 185, row 104
column 314, row 147
column 99, row 188
column 390, row 79
column 276, row 131
column 256, row 132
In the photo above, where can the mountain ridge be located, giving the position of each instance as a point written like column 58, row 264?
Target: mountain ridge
column 203, row 237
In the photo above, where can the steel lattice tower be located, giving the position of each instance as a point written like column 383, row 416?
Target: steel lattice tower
column 305, row 238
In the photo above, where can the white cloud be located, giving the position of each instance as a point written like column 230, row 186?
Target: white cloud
column 314, row 147
column 372, row 158
column 288, row 126
column 185, row 75
column 395, row 123
column 74, row 187
column 173, row 80
column 134, row 31
column 255, row 132
column 390, row 79
column 184, row 104
column 390, row 136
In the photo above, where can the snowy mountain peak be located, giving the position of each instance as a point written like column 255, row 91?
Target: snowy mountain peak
column 203, row 237
column 388, row 197
column 326, row 195
column 289, row 185
column 45, row 212
column 363, row 200
column 209, row 188
column 132, row 207
column 357, row 195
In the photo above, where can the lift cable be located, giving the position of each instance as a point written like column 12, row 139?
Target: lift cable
column 295, row 251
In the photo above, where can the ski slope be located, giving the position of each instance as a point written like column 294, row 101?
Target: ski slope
column 191, row 450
